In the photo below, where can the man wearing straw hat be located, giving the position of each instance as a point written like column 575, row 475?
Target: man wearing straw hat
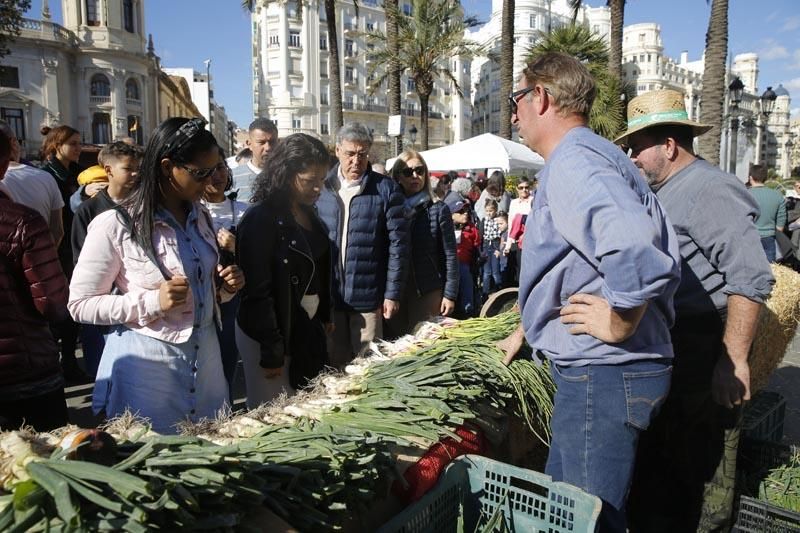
column 600, row 266
column 687, row 458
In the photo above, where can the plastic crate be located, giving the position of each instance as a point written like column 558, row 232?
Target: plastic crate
column 531, row 502
column 763, row 417
column 757, row 458
column 756, row 516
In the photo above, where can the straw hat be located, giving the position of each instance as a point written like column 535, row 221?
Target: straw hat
column 659, row 107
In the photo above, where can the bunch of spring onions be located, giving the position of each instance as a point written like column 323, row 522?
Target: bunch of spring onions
column 316, row 460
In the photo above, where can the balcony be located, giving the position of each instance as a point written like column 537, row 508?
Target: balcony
column 49, row 31
column 350, row 28
column 134, row 101
column 99, row 100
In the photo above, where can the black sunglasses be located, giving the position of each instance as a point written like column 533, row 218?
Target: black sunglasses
column 516, row 96
column 198, row 174
column 408, row 171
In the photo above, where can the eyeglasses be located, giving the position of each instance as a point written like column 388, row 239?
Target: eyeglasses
column 184, row 134
column 523, row 188
column 516, row 96
column 408, row 171
column 199, row 174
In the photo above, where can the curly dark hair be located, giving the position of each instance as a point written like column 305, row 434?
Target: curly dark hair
column 294, row 154
column 146, row 197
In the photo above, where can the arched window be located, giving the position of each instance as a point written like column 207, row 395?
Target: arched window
column 100, row 86
column 101, row 128
column 132, row 90
column 127, row 16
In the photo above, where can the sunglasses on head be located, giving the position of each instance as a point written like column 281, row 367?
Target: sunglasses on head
column 408, row 171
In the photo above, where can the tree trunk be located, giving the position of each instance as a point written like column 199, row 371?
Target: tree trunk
column 615, row 52
column 506, row 67
column 713, row 94
column 393, row 45
column 334, row 72
column 424, row 98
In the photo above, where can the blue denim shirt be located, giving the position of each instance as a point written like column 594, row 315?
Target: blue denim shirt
column 597, row 228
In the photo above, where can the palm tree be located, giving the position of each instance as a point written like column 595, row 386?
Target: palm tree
column 428, row 40
column 617, row 8
column 506, row 66
column 606, row 116
column 394, row 70
column 712, row 94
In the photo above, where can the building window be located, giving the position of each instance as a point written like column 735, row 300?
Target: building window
column 348, row 48
column 92, row 12
column 641, row 58
column 9, row 77
column 323, row 69
column 349, row 75
column 15, row 120
column 533, row 21
column 273, row 41
column 101, row 128
column 596, row 28
column 294, row 39
column 407, row 9
column 127, row 16
column 135, row 128
column 323, row 97
column 323, row 41
column 100, row 86
column 323, row 128
column 296, row 123
column 411, row 86
column 132, row 90
column 370, row 26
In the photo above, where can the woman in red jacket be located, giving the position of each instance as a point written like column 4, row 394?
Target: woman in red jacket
column 33, row 292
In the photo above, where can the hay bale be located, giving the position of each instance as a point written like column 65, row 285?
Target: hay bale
column 777, row 324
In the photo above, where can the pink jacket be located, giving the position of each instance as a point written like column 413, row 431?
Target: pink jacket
column 110, row 259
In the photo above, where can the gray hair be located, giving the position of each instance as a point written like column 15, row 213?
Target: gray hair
column 354, row 132
column 462, row 186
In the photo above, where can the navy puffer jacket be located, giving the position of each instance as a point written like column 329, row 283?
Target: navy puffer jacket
column 377, row 248
column 434, row 264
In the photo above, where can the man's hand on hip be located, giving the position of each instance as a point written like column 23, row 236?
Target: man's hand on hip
column 592, row 315
column 390, row 308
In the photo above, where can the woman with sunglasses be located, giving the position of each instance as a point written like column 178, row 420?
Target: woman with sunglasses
column 284, row 250
column 432, row 285
column 519, row 210
column 226, row 213
column 150, row 270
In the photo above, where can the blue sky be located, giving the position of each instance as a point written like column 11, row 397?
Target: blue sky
column 186, row 32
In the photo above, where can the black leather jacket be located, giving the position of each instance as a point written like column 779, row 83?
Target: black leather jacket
column 278, row 265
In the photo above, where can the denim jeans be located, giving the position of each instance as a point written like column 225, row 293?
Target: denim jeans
column 227, row 341
column 466, row 290
column 768, row 243
column 599, row 412
column 93, row 340
column 492, row 273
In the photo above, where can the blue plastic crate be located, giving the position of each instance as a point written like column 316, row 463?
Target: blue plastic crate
column 763, row 417
column 531, row 502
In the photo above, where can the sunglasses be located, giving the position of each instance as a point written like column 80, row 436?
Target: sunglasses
column 523, row 188
column 199, row 174
column 516, row 96
column 408, row 171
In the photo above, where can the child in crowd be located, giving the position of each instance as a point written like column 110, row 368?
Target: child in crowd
column 491, row 249
column 502, row 253
column 121, row 168
column 468, row 243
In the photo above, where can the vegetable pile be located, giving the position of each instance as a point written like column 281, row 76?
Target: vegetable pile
column 315, row 459
column 782, row 486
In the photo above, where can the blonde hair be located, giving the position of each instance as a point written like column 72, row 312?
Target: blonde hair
column 566, row 79
column 400, row 164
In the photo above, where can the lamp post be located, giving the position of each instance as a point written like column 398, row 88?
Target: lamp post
column 413, row 133
column 735, row 90
column 767, row 101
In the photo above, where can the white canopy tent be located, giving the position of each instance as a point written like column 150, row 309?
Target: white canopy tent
column 483, row 151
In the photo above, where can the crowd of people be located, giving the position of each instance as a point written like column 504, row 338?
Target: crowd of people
column 641, row 273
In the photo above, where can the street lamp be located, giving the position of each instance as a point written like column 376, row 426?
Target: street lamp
column 767, row 102
column 735, row 90
column 413, row 133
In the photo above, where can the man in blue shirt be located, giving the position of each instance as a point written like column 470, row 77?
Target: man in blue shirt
column 600, row 267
